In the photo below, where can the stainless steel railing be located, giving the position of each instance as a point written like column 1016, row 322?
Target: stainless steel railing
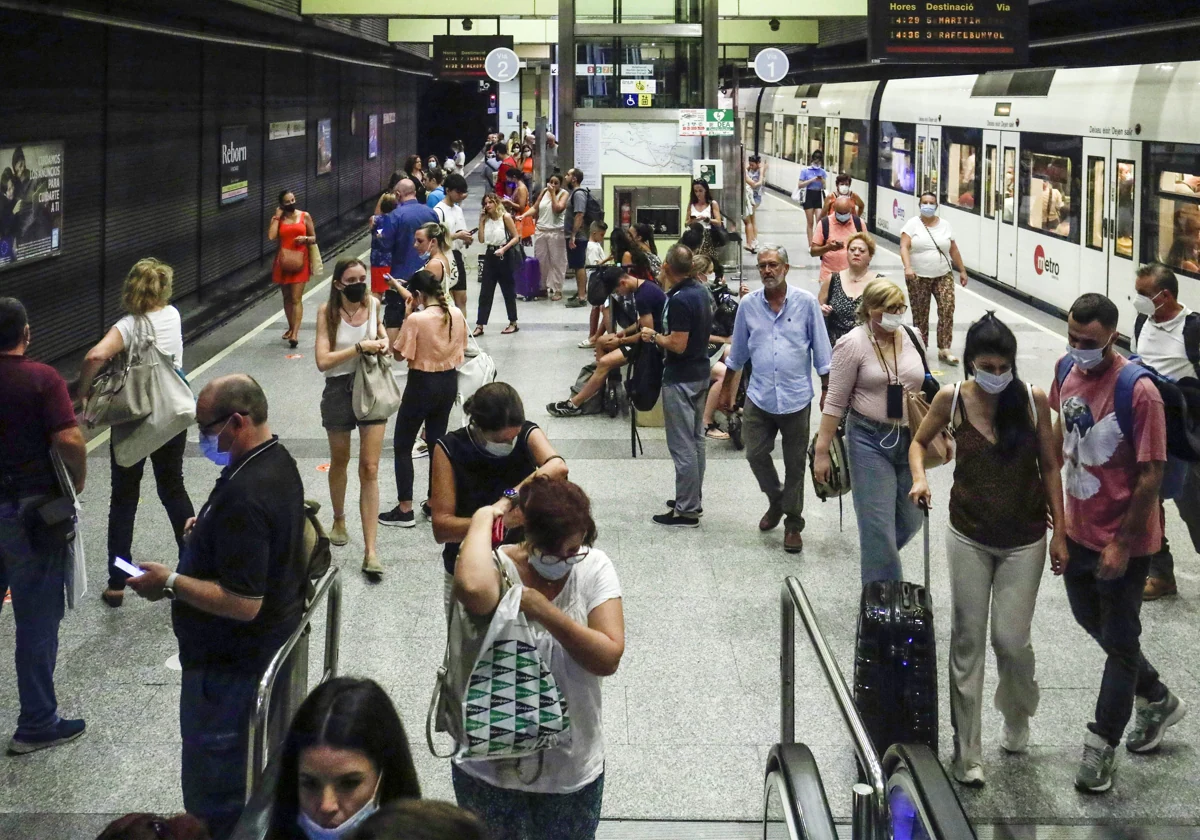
column 870, row 819
column 329, row 589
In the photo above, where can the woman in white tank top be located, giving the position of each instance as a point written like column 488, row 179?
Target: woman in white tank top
column 549, row 245
column 349, row 324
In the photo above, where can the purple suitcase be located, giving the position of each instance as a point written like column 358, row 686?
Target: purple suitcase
column 528, row 279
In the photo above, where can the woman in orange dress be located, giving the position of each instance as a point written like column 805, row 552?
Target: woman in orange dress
column 294, row 231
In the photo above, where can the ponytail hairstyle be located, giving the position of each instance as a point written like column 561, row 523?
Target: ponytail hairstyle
column 439, row 233
column 432, row 289
column 334, row 306
column 646, row 232
column 621, row 244
column 989, row 336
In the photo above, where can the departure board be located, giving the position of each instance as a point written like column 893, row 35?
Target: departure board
column 941, row 32
column 463, row 56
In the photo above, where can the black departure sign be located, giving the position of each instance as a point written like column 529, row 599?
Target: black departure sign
column 949, row 32
column 462, row 56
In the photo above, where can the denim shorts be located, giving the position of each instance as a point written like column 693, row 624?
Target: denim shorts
column 337, row 405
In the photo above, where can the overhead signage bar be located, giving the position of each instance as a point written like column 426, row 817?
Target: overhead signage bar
column 938, row 32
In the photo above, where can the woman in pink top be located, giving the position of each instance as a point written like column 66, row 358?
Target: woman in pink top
column 433, row 341
column 873, row 365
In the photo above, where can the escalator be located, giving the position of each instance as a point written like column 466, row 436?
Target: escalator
column 903, row 795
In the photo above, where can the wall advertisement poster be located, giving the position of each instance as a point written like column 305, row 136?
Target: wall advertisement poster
column 324, row 147
column 235, row 164
column 31, row 179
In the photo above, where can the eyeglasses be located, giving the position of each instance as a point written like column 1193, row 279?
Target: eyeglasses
column 570, row 559
column 225, row 419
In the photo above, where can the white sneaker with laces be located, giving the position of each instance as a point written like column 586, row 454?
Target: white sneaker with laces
column 1015, row 738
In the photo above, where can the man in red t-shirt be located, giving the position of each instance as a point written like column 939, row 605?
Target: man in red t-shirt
column 36, row 420
column 1114, row 525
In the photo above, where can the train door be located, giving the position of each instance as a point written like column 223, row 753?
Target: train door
column 1006, row 229
column 1097, row 176
column 833, row 150
column 989, row 226
column 1125, row 198
column 802, row 141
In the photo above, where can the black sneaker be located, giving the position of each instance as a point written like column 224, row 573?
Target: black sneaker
column 396, row 518
column 671, row 505
column 565, row 408
column 62, row 732
column 426, row 509
column 676, row 521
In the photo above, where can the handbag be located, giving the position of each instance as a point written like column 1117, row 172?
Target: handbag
column 290, row 260
column 376, row 396
column 495, row 694
column 173, row 410
column 120, row 392
column 839, row 473
column 316, row 265
column 478, row 369
column 941, row 448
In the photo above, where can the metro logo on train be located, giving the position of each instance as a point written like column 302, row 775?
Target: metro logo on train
column 1042, row 263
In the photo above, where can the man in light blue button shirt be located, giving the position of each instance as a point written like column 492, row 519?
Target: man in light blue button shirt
column 781, row 332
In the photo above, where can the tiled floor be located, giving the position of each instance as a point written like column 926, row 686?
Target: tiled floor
column 692, row 711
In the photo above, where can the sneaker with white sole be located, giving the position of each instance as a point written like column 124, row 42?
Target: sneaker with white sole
column 420, row 449
column 396, row 518
column 565, row 408
column 1015, row 738
column 1096, row 765
column 1152, row 721
column 970, row 776
column 62, row 732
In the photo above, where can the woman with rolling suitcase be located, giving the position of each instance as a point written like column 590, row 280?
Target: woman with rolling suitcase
column 1006, row 479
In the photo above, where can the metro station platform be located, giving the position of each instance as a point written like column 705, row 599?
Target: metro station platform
column 694, row 708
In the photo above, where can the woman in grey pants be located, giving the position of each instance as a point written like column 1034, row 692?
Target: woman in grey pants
column 1006, row 479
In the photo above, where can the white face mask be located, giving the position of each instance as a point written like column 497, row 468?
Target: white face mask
column 993, row 383
column 1145, row 305
column 844, row 190
column 315, row 832
column 711, row 277
column 890, row 321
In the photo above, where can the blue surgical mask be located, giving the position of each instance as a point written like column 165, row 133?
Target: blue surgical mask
column 315, row 832
column 210, row 447
column 553, row 568
column 928, row 210
column 842, row 217
column 993, row 383
column 1086, row 358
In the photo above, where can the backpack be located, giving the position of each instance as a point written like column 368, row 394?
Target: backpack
column 1181, row 405
column 858, row 226
column 1191, row 337
column 592, row 211
column 594, row 404
column 644, row 380
column 725, row 307
column 317, row 554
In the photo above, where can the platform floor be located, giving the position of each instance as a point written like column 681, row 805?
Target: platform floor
column 692, row 711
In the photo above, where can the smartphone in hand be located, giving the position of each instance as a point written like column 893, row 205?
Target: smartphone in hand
column 127, row 567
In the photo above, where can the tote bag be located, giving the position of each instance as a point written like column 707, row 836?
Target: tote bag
column 120, row 392
column 376, row 396
column 173, row 407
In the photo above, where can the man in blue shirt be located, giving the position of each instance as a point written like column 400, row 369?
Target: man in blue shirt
column 780, row 331
column 434, row 190
column 409, row 215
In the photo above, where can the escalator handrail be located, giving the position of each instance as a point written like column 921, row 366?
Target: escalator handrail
column 794, row 600
column 938, row 800
column 802, row 791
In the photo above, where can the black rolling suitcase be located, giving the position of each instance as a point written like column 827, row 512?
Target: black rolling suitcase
column 895, row 662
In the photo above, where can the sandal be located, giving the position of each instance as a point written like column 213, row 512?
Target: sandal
column 510, row 329
column 478, row 332
column 556, row 297
column 947, row 357
column 713, row 432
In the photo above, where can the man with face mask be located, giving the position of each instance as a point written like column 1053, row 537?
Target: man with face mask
column 780, row 394
column 237, row 595
column 1167, row 338
column 1111, row 481
column 830, row 236
column 843, row 186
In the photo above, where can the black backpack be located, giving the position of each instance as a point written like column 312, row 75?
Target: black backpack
column 858, row 226
column 592, row 211
column 644, row 381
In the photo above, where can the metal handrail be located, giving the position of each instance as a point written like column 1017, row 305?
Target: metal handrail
column 870, row 817
column 257, row 757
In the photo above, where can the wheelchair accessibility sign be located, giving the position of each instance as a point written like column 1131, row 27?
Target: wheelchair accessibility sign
column 637, row 100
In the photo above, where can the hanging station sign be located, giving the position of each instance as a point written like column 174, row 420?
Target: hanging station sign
column 701, row 122
column 934, row 32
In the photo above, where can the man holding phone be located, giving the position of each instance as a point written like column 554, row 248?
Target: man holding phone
column 450, row 213
column 237, row 595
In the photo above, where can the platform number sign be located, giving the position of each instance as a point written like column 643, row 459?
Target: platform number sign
column 502, row 65
column 771, row 65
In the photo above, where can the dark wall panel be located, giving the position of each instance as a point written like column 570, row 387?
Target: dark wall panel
column 352, row 133
column 289, row 162
column 322, row 191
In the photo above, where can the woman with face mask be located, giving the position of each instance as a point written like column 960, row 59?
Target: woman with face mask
column 812, row 188
column 345, row 756
column 486, row 463
column 294, row 231
column 842, row 187
column 572, row 599
column 930, row 256
column 349, row 325
column 1006, row 480
column 873, row 366
column 432, row 241
column 433, row 341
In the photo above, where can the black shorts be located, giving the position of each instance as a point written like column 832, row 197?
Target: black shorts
column 393, row 310
column 461, row 285
column 577, row 256
column 814, row 199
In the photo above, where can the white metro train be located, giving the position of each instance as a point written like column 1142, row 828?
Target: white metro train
column 1057, row 181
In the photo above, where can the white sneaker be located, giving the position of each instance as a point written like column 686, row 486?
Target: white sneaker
column 420, row 449
column 971, row 777
column 1015, row 739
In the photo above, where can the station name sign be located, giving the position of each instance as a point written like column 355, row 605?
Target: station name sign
column 463, row 56
column 940, row 32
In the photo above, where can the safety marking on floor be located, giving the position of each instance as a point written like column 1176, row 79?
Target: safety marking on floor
column 294, row 356
column 221, row 355
column 322, row 467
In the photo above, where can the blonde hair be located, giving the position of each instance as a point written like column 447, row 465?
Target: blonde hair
column 879, row 294
column 147, row 286
column 438, row 233
column 701, row 265
column 867, row 239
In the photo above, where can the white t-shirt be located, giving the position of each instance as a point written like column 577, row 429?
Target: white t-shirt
column 168, row 331
column 926, row 260
column 1161, row 346
column 565, row 769
column 451, row 215
column 595, row 253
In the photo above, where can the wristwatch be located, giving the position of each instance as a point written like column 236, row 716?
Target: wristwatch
column 511, row 495
column 169, row 586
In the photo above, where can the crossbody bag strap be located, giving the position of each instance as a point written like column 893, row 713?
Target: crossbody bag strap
column 1032, row 405
column 939, row 247
column 954, row 403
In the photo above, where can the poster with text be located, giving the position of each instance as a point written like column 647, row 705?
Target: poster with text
column 30, row 201
column 235, row 164
column 324, row 147
column 373, row 136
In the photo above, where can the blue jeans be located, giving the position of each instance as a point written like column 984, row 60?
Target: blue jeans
column 879, row 482
column 520, row 815
column 37, row 582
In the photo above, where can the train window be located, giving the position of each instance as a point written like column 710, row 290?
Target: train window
column 989, row 182
column 768, row 137
column 960, row 154
column 854, row 159
column 1126, row 188
column 1050, row 184
column 894, row 161
column 789, row 138
column 931, row 167
column 779, row 147
column 816, row 135
column 921, row 162
column 1010, row 185
column 1094, row 232
column 1171, row 227
column 748, row 133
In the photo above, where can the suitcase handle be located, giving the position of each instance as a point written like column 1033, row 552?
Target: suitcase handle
column 925, row 528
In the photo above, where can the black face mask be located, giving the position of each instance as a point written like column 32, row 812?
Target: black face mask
column 355, row 292
column 289, row 208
